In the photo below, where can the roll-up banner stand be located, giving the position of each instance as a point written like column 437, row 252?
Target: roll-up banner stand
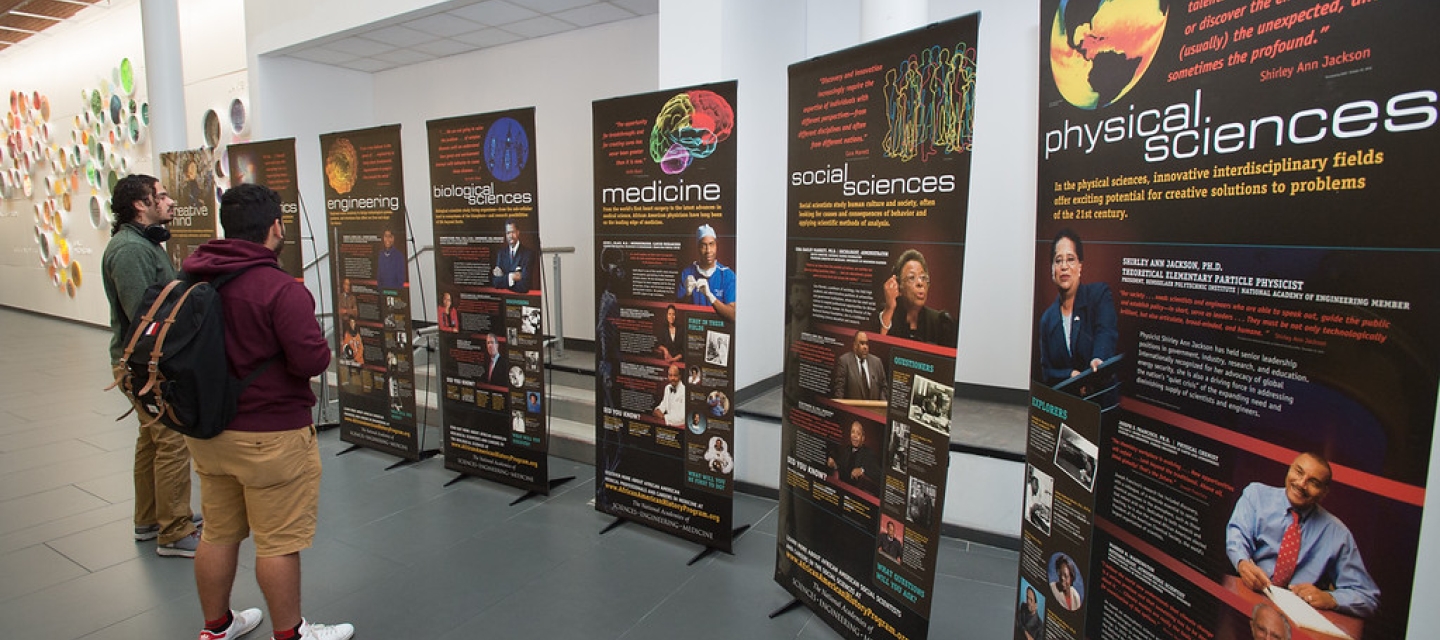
column 272, row 163
column 488, row 311
column 879, row 155
column 666, row 297
column 1233, row 268
column 189, row 176
column 365, row 216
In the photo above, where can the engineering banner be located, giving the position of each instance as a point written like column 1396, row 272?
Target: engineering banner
column 365, row 214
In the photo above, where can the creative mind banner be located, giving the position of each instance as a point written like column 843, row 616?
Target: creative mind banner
column 879, row 148
column 1233, row 235
column 365, row 216
column 666, row 290
column 190, row 178
column 272, row 163
column 483, row 194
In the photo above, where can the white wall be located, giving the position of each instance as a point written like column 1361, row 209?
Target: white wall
column 302, row 100
column 76, row 56
column 999, row 246
column 80, row 54
column 560, row 76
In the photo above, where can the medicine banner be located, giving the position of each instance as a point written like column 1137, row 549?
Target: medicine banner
column 666, row 290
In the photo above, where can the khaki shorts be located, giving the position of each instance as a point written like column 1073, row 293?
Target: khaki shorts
column 265, row 482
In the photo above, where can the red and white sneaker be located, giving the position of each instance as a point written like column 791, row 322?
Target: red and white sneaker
column 244, row 622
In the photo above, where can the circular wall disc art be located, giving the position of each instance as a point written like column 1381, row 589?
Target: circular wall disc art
column 239, row 116
column 212, row 128
column 127, row 76
column 97, row 212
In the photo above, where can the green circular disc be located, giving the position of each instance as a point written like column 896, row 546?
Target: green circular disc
column 97, row 103
column 127, row 76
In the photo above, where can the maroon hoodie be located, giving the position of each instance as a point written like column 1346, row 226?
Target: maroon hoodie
column 266, row 313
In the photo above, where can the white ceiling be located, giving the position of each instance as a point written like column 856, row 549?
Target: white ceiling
column 458, row 27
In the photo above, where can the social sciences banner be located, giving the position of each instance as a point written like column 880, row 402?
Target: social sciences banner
column 666, row 290
column 272, row 164
column 483, row 190
column 365, row 216
column 1234, row 240
column 879, row 149
column 189, row 176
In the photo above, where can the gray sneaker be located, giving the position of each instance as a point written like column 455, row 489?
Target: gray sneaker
column 152, row 531
column 182, row 548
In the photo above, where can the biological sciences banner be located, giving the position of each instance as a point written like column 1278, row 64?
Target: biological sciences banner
column 272, row 164
column 1235, row 242
column 879, row 154
column 189, row 176
column 666, row 290
column 365, row 215
column 483, row 190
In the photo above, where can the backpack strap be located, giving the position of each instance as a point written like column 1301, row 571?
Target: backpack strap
column 159, row 350
column 139, row 329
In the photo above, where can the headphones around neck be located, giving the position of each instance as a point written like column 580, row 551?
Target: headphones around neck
column 156, row 233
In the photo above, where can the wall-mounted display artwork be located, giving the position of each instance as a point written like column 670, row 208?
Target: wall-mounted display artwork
column 51, row 173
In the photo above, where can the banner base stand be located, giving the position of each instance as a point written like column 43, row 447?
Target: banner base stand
column 554, row 482
column 709, row 550
column 794, row 603
column 458, row 477
column 428, row 453
column 612, row 525
column 348, row 449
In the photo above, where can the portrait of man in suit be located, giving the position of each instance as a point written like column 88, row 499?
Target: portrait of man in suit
column 513, row 262
column 858, row 374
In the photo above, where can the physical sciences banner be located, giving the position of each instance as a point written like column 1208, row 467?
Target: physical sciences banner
column 879, row 154
column 272, row 163
column 487, row 261
column 666, row 290
column 1234, row 244
column 365, row 216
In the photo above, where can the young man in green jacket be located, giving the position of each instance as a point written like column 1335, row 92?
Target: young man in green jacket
column 133, row 261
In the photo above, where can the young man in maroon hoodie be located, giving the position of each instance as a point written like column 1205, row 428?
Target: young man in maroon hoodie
column 262, row 474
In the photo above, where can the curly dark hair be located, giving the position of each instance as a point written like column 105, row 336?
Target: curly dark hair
column 129, row 190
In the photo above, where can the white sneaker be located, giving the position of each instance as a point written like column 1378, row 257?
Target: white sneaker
column 317, row 631
column 244, row 622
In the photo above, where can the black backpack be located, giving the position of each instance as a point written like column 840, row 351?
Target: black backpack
column 174, row 368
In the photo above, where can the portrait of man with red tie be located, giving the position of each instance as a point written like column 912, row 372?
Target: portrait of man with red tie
column 1281, row 536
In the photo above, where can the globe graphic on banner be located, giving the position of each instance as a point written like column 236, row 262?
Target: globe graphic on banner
column 507, row 149
column 1099, row 49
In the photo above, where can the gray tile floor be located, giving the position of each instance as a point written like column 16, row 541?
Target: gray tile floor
column 398, row 554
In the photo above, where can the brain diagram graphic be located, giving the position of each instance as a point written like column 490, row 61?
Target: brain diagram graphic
column 689, row 127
